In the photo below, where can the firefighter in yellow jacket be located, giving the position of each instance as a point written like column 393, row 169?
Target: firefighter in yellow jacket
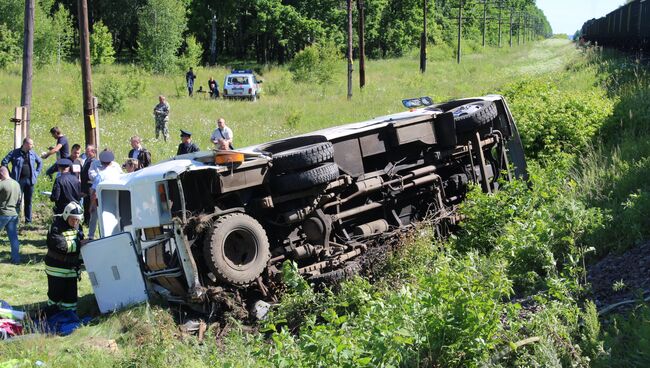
column 64, row 240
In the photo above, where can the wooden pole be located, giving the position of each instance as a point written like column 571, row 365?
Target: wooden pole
column 86, row 76
column 423, row 39
column 519, row 30
column 28, row 52
column 460, row 29
column 362, row 44
column 511, row 10
column 484, row 19
column 349, row 49
column 500, row 10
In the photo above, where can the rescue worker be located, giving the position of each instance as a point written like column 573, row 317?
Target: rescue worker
column 64, row 240
column 186, row 146
column 161, row 114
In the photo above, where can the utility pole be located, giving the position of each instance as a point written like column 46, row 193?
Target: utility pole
column 362, row 44
column 511, row 10
column 460, row 29
column 213, row 41
column 500, row 9
column 485, row 2
column 523, row 39
column 519, row 30
column 90, row 125
column 423, row 39
column 28, row 53
column 349, row 49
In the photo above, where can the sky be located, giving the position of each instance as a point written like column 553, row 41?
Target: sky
column 567, row 16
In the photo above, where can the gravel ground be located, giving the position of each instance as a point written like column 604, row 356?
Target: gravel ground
column 616, row 278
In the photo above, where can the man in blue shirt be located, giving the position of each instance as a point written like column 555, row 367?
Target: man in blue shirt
column 26, row 165
column 61, row 149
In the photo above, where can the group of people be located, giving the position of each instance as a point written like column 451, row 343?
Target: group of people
column 77, row 175
column 213, row 86
column 75, row 202
column 222, row 136
column 74, row 194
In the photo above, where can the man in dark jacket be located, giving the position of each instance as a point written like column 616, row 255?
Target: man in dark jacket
column 187, row 146
column 86, row 180
column 26, row 165
column 64, row 240
column 66, row 187
column 139, row 153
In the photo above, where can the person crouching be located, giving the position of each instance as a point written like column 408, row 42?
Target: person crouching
column 64, row 240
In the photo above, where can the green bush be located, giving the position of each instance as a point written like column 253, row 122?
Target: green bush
column 191, row 57
column 540, row 232
column 112, row 95
column 315, row 63
column 9, row 50
column 552, row 120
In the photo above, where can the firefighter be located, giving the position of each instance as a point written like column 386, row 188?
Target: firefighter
column 62, row 260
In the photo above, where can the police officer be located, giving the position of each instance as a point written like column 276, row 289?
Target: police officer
column 186, row 146
column 66, row 187
column 64, row 240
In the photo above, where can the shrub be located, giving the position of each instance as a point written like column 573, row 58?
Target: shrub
column 315, row 63
column 9, row 50
column 111, row 94
column 101, row 45
column 192, row 55
column 540, row 232
column 553, row 120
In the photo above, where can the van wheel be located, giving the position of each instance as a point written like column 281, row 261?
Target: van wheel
column 237, row 249
column 473, row 115
column 302, row 157
column 322, row 174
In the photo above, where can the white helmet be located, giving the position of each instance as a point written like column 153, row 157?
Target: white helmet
column 73, row 209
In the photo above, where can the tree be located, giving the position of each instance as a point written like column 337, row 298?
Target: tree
column 9, row 50
column 192, row 55
column 63, row 32
column 101, row 45
column 11, row 15
column 162, row 23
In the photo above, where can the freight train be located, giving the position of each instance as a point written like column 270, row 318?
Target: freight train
column 627, row 27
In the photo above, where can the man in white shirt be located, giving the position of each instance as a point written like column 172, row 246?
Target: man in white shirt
column 105, row 169
column 222, row 136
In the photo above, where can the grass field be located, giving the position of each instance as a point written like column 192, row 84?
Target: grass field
column 286, row 108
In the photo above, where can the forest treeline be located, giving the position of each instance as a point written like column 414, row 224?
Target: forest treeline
column 158, row 33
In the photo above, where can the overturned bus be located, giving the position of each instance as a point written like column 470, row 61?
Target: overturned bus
column 224, row 221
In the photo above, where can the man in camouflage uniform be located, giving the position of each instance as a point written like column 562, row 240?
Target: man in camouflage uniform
column 161, row 113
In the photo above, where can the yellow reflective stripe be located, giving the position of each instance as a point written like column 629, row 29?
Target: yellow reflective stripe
column 61, row 305
column 60, row 272
column 68, row 306
column 72, row 246
column 71, row 240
